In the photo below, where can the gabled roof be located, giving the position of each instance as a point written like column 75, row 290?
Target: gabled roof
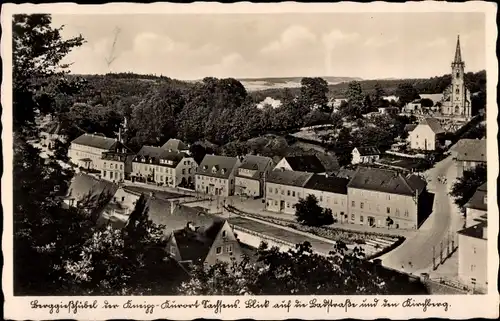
column 386, row 181
column 331, row 184
column 217, row 166
column 476, row 231
column 150, row 152
column 256, row 163
column 160, row 212
column 83, row 186
column 305, row 163
column 410, row 127
column 473, row 150
column 157, row 153
column 477, row 200
column 329, row 161
column 434, row 124
column 174, row 145
column 290, row 178
column 194, row 245
column 368, row 151
column 96, row 141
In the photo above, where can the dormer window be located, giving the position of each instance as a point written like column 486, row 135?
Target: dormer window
column 214, row 170
column 223, row 171
column 205, row 167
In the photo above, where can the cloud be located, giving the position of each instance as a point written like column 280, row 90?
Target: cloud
column 336, row 36
column 378, row 42
column 293, row 37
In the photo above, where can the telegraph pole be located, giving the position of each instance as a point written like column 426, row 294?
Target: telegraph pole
column 441, row 254
column 433, row 257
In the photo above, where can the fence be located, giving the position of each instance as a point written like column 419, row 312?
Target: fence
column 254, row 239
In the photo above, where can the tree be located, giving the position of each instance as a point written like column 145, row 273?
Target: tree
column 406, row 93
column 426, row 102
column 300, row 271
column 308, row 212
column 355, row 101
column 378, row 95
column 313, row 93
column 465, row 187
column 37, row 52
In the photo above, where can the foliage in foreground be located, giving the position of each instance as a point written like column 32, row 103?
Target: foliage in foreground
column 300, row 272
column 308, row 212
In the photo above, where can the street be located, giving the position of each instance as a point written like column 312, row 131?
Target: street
column 415, row 255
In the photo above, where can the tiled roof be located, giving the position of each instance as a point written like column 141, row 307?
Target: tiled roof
column 256, row 163
column 472, row 150
column 331, row 184
column 83, row 186
column 217, row 166
column 410, row 127
column 290, row 178
column 305, row 163
column 477, row 200
column 434, row 124
column 476, row 231
column 329, row 161
column 174, row 145
column 368, row 151
column 385, row 180
column 434, row 97
column 159, row 211
column 195, row 245
column 97, row 141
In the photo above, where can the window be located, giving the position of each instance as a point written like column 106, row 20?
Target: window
column 111, row 175
column 388, row 210
column 229, row 249
column 361, row 218
column 321, row 198
column 472, row 268
column 352, row 217
column 223, row 233
column 270, row 190
column 457, row 91
column 293, row 194
column 104, row 174
column 474, row 250
column 458, row 74
column 172, row 249
column 275, row 203
column 353, row 203
column 361, row 205
column 282, row 192
column 287, row 205
column 406, row 212
column 104, row 164
column 218, row 250
column 334, row 201
column 288, row 192
column 388, row 197
column 189, row 170
column 123, row 198
column 183, row 171
column 397, row 212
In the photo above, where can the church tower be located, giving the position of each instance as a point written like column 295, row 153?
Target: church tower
column 459, row 104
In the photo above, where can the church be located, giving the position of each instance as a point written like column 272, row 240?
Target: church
column 456, row 100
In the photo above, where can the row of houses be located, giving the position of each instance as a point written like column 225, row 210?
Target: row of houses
column 370, row 196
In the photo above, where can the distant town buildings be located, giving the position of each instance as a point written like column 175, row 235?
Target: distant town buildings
column 365, row 155
column 284, row 188
column 426, row 135
column 50, row 133
column 477, row 206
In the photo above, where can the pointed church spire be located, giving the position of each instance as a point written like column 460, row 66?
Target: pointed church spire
column 458, row 54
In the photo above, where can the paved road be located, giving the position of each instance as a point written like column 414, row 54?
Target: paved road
column 445, row 219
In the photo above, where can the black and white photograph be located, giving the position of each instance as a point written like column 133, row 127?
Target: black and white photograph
column 243, row 161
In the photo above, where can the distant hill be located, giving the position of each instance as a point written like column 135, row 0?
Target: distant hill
column 257, row 84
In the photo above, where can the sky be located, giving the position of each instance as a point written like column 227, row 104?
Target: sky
column 192, row 46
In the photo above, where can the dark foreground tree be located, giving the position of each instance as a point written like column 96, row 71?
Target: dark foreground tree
column 308, row 212
column 300, row 271
column 37, row 52
column 465, row 187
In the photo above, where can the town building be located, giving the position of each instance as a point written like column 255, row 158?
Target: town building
column 284, row 188
column 117, row 165
column 365, row 155
column 50, row 134
column 413, row 107
column 427, row 135
column 305, row 163
column 251, row 174
column 468, row 153
column 331, row 192
column 384, row 198
column 205, row 245
column 163, row 167
column 388, row 110
column 456, row 97
column 215, row 175
column 477, row 206
column 473, row 256
column 175, row 145
column 86, row 151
